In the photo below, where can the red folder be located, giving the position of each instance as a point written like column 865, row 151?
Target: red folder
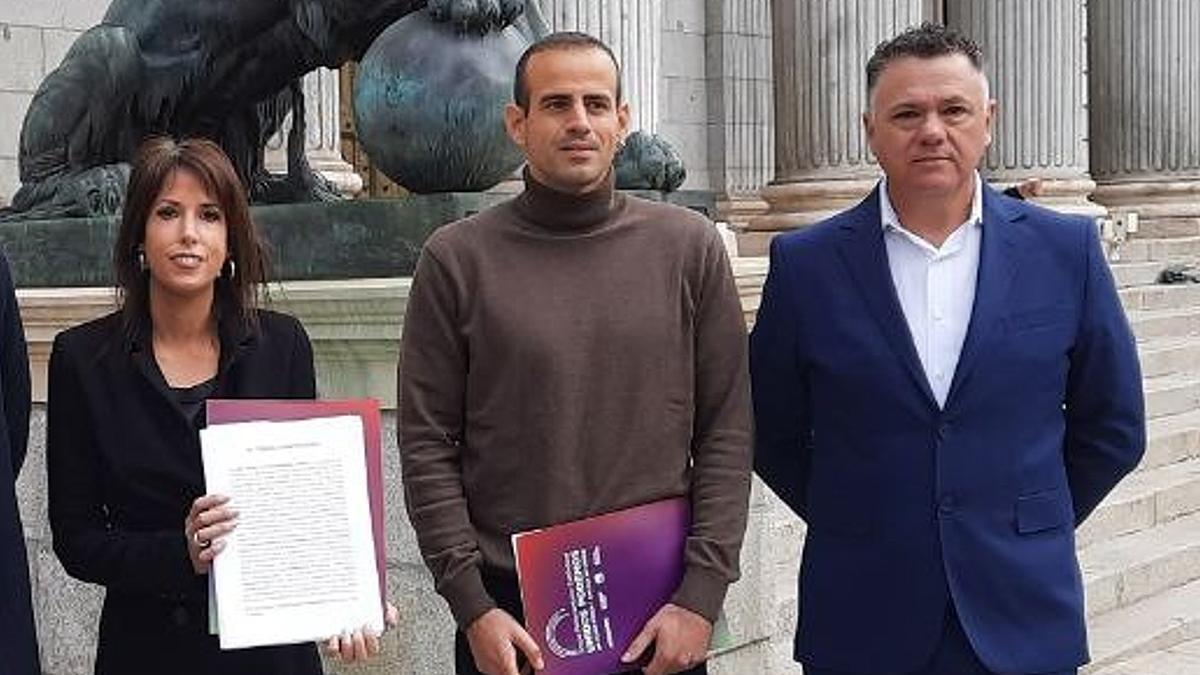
column 230, row 411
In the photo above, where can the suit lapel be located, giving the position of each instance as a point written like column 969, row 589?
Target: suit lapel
column 862, row 249
column 997, row 267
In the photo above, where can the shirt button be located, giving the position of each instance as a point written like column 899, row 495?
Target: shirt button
column 947, row 505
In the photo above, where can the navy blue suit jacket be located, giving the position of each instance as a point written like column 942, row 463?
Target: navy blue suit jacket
column 909, row 506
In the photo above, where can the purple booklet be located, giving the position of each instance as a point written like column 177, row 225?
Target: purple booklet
column 589, row 586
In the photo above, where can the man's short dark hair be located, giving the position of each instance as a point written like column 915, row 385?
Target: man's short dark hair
column 563, row 41
column 926, row 41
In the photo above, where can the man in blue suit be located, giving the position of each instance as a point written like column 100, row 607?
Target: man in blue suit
column 945, row 385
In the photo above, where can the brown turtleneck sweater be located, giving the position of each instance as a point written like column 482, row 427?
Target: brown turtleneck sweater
column 567, row 356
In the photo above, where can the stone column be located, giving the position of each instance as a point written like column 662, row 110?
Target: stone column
column 633, row 30
column 1145, row 112
column 323, row 142
column 822, row 163
column 740, row 115
column 1035, row 59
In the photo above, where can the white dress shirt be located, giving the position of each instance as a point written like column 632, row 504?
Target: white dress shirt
column 936, row 287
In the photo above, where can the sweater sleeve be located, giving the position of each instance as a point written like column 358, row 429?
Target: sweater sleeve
column 86, row 543
column 433, row 371
column 721, row 440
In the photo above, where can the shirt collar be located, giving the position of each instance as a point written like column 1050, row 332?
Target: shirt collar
column 891, row 221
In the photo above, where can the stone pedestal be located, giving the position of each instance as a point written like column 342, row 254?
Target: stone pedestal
column 323, row 141
column 1144, row 66
column 822, row 162
column 803, row 202
column 365, row 238
column 739, row 210
column 1035, row 59
column 1153, row 199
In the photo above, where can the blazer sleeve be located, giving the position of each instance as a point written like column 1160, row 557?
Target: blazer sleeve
column 778, row 377
column 14, row 370
column 433, row 375
column 86, row 544
column 720, row 479
column 1105, row 411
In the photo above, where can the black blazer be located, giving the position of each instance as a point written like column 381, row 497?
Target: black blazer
column 124, row 467
column 18, row 644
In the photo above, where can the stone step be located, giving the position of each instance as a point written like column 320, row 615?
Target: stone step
column 1123, row 570
column 1141, row 501
column 750, row 266
column 750, row 273
column 1182, row 659
column 1171, row 394
column 1153, row 624
column 1164, row 356
column 1150, row 324
column 1141, row 250
column 1171, row 439
column 1128, row 274
column 1167, row 228
column 1139, row 291
column 1160, row 296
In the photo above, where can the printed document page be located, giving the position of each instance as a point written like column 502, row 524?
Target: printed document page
column 301, row 564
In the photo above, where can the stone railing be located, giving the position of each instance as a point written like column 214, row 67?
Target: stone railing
column 355, row 329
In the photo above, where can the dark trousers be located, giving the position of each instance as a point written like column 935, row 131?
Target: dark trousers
column 504, row 590
column 954, row 656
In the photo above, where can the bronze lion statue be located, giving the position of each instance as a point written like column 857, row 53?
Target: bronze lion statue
column 228, row 70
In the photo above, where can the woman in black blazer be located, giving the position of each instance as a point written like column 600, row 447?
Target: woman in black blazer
column 126, row 399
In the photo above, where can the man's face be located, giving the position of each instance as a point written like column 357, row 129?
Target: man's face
column 929, row 124
column 574, row 123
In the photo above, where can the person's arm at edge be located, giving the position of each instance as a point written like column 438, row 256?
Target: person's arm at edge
column 15, row 373
column 1105, row 409
column 432, row 384
column 780, row 393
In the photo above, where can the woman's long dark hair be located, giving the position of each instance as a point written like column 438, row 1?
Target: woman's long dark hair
column 235, row 297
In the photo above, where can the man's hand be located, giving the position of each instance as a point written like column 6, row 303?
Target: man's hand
column 495, row 638
column 1030, row 188
column 680, row 639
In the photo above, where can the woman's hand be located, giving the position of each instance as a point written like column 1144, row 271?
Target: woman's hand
column 205, row 526
column 362, row 644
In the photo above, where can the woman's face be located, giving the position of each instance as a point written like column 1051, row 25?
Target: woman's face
column 186, row 240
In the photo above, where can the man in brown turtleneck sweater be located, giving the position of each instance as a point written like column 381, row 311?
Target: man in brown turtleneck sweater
column 568, row 353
